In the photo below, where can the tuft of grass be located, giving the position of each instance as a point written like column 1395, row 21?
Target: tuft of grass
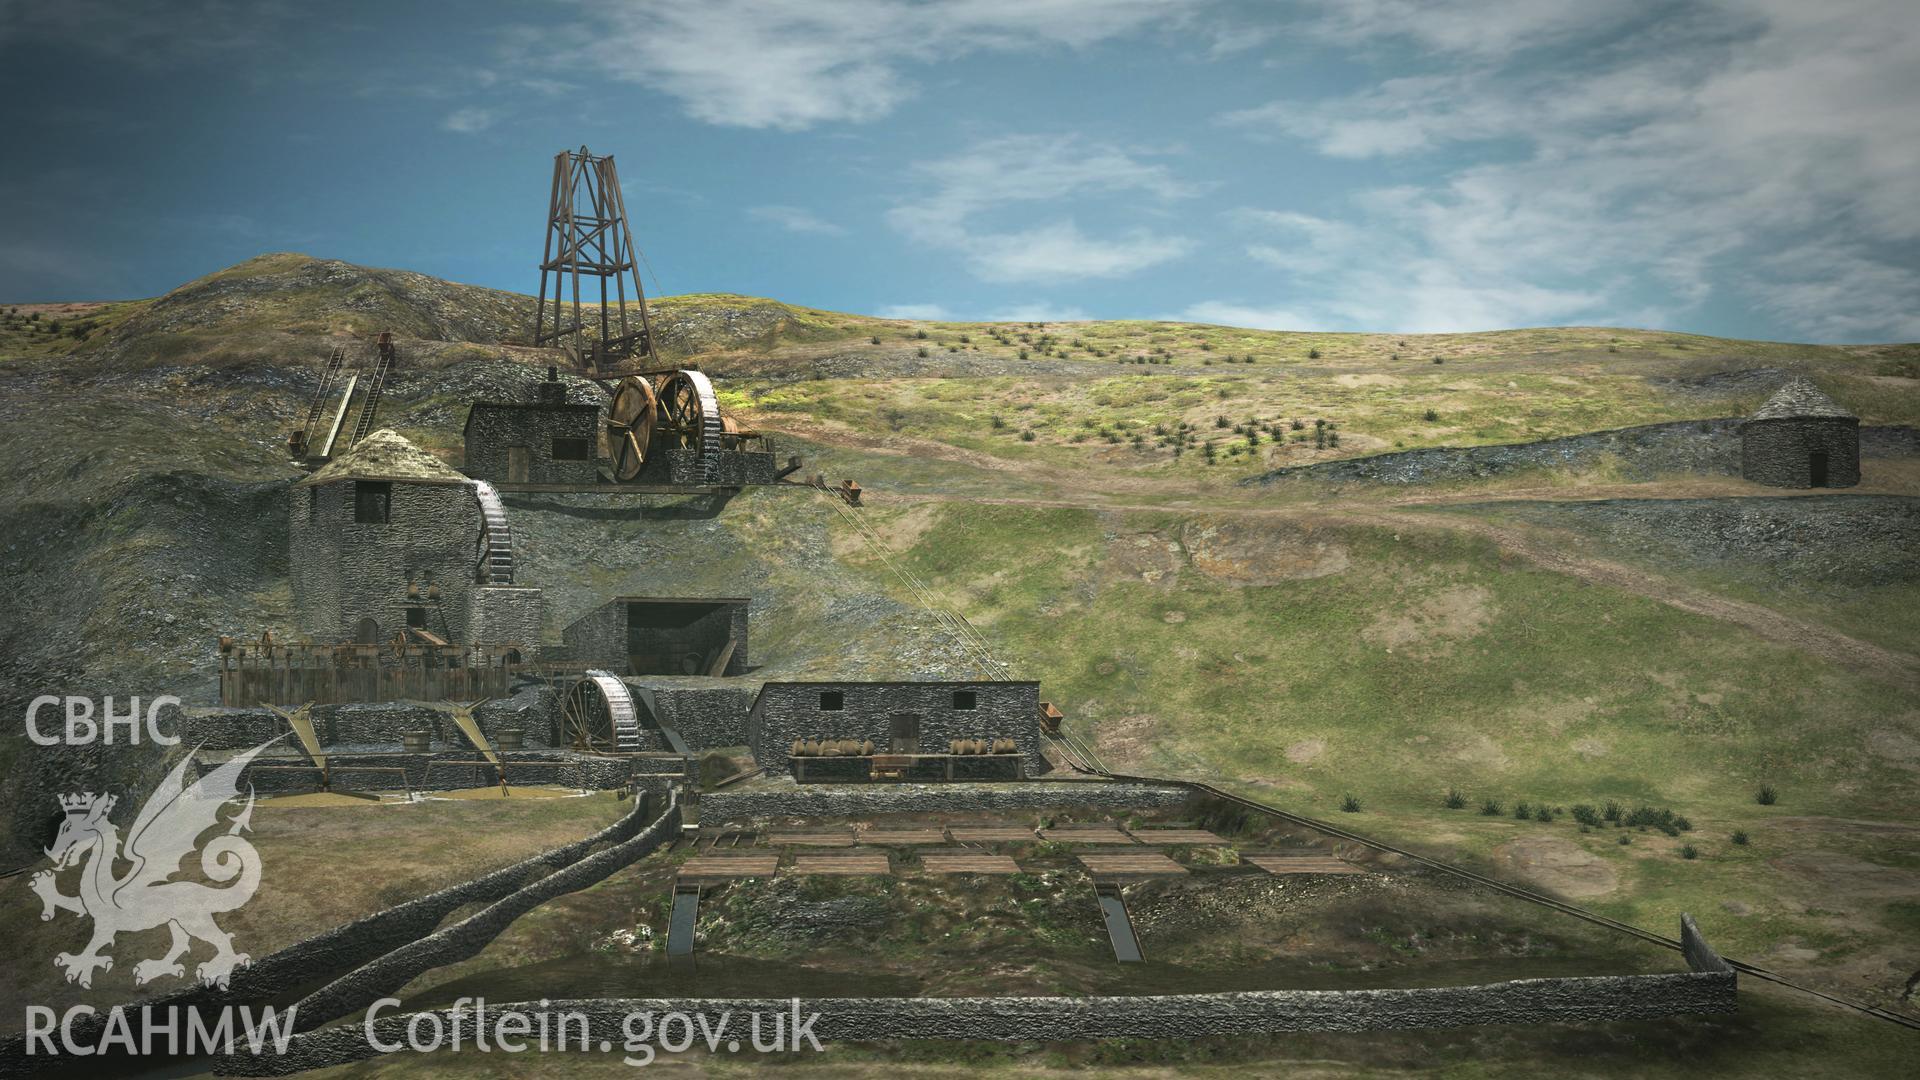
column 1522, row 810
column 1688, row 851
column 1490, row 808
column 1349, row 804
column 1455, row 800
column 1740, row 837
column 1766, row 796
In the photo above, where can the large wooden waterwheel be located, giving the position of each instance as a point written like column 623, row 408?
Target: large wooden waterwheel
column 631, row 419
column 598, row 714
column 690, row 417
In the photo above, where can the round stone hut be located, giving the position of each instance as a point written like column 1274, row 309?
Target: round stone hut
column 1801, row 438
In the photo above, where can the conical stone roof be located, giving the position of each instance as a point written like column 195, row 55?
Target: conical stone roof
column 385, row 455
column 1799, row 399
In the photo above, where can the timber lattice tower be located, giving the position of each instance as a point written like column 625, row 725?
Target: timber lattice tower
column 588, row 237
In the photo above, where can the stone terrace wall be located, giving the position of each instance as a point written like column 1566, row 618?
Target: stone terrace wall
column 1702, row 446
column 707, row 713
column 362, row 987
column 367, row 724
column 858, row 800
column 1530, row 1001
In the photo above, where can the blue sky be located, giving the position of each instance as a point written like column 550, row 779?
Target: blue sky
column 1748, row 168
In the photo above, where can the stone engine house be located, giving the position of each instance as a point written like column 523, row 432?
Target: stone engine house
column 898, row 717
column 386, row 538
column 548, row 440
column 1801, row 438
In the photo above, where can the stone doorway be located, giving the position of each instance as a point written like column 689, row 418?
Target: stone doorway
column 1817, row 468
column 903, row 734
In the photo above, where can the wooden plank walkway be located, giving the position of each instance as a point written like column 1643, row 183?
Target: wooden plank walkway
column 1104, row 835
column 1175, row 836
column 904, row 837
column 861, row 865
column 989, row 834
column 1302, row 864
column 1139, row 864
column 969, row 864
column 835, row 838
column 730, row 866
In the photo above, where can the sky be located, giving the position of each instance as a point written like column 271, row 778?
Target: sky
column 1744, row 168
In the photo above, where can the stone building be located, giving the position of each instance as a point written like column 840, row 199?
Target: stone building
column 387, row 537
column 1801, row 438
column 547, row 439
column 662, row 635
column 900, row 717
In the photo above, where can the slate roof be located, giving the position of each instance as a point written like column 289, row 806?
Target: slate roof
column 385, row 455
column 1800, row 399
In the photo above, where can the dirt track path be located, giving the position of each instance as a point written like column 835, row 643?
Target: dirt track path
column 1896, row 668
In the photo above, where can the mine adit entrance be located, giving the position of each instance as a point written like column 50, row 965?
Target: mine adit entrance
column 672, row 636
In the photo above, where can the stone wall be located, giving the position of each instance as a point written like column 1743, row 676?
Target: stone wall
column 386, row 975
column 1050, row 1019
column 380, row 725
column 333, row 953
column 708, row 713
column 1779, row 452
column 457, row 772
column 786, row 711
column 860, row 800
column 507, row 615
column 343, row 571
column 493, row 427
column 1701, row 446
column 734, row 468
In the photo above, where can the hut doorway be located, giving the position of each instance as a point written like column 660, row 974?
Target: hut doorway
column 367, row 633
column 903, row 734
column 518, row 468
column 1817, row 468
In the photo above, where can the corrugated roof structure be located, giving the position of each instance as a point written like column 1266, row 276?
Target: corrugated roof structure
column 385, row 455
column 1799, row 399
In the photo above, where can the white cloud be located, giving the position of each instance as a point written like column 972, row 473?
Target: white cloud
column 1685, row 154
column 793, row 64
column 795, row 219
column 997, row 174
column 468, row 121
column 1224, row 313
column 921, row 312
column 1039, row 312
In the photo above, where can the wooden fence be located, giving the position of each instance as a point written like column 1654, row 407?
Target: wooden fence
column 334, row 674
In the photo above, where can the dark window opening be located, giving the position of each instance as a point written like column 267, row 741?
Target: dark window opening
column 570, row 450
column 965, row 699
column 372, row 502
column 832, row 701
column 417, row 617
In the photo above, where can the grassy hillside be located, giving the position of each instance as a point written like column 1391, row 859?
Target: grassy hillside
column 1514, row 639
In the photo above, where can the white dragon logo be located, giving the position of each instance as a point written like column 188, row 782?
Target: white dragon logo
column 163, row 835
